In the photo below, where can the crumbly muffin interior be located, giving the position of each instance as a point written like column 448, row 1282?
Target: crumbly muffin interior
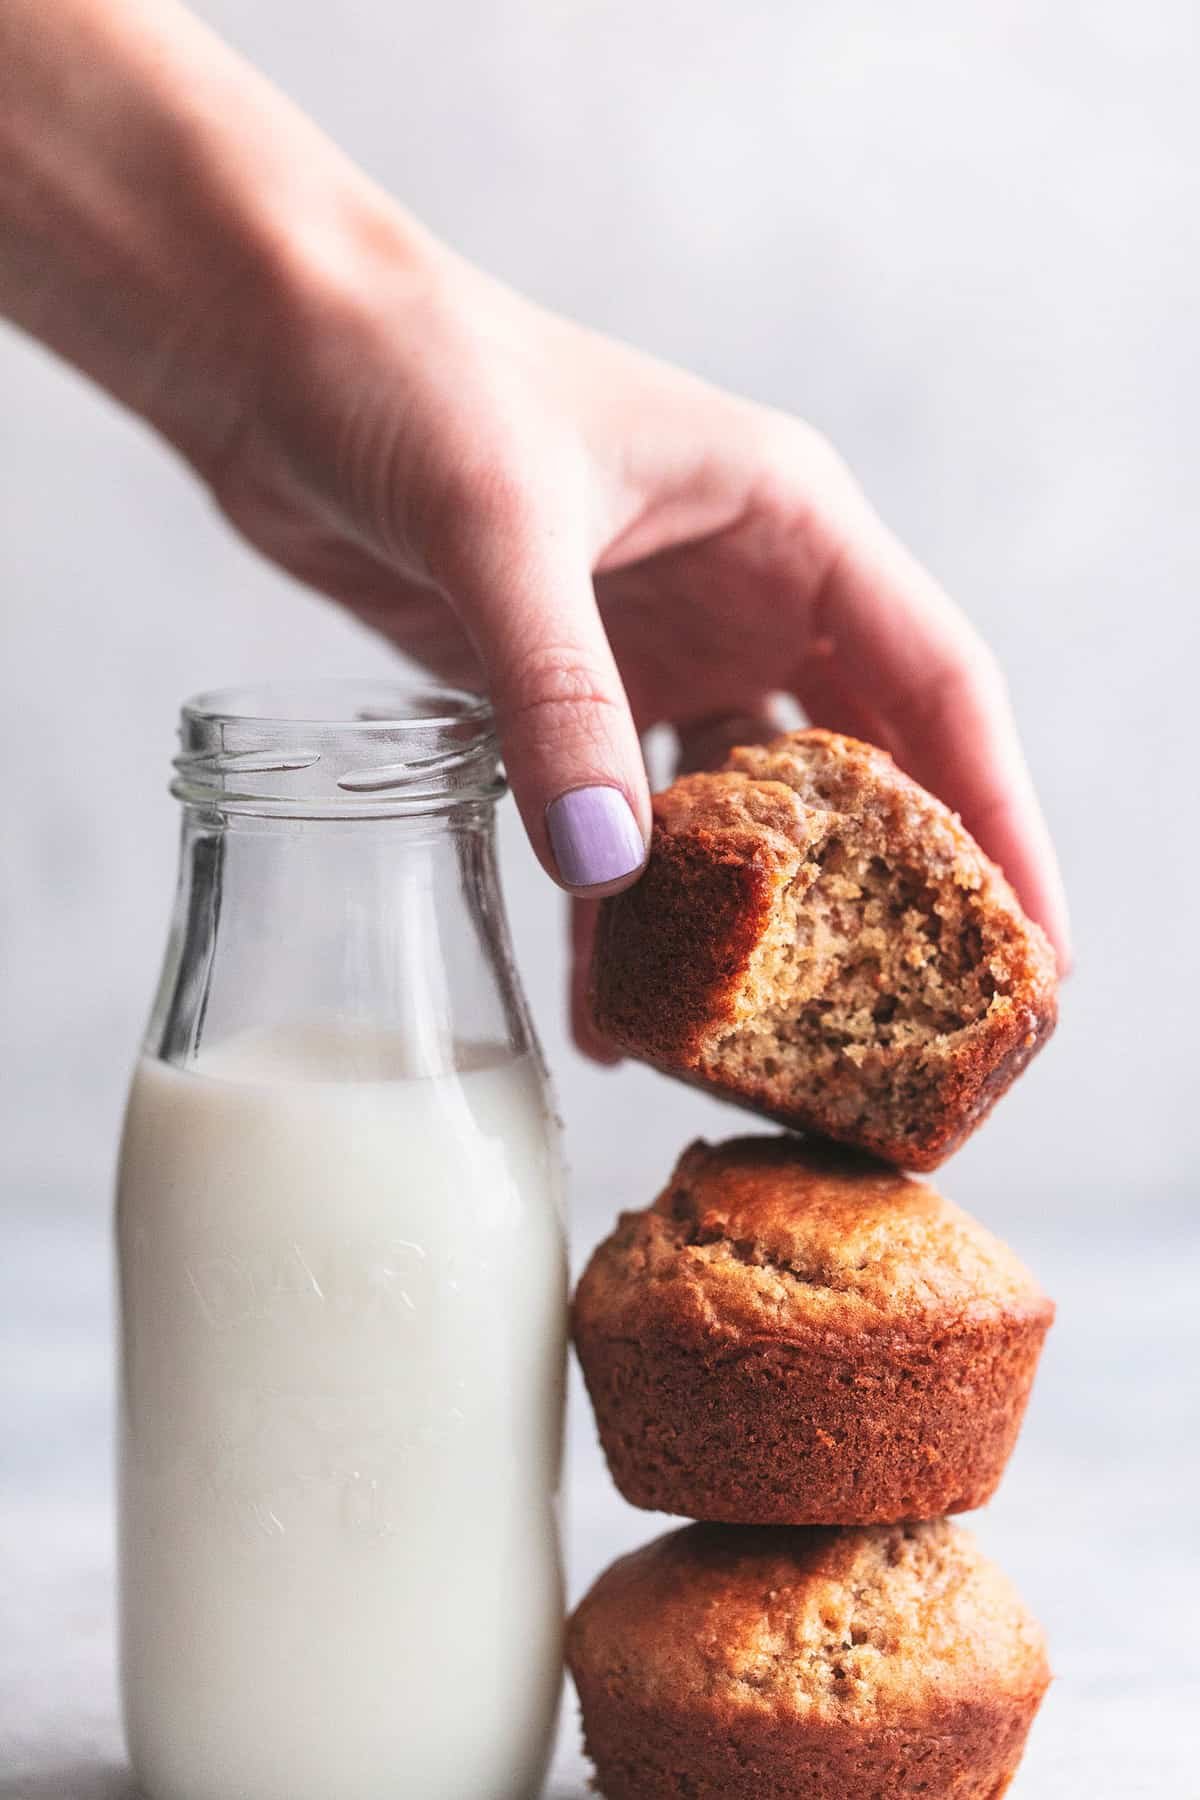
column 869, row 970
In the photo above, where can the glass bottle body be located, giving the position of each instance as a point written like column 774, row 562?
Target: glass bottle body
column 343, row 1306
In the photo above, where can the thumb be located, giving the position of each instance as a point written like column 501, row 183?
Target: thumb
column 524, row 594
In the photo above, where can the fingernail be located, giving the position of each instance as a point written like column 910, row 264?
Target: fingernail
column 594, row 836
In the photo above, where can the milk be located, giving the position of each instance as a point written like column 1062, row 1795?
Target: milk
column 343, row 1292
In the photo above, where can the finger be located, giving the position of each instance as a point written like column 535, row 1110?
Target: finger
column 828, row 700
column 583, row 934
column 938, row 702
column 706, row 743
column 524, row 594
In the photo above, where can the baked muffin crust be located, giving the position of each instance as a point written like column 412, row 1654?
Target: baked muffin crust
column 794, row 1334
column 760, row 1665
column 817, row 937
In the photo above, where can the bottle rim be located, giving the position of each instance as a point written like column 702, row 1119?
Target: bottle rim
column 337, row 748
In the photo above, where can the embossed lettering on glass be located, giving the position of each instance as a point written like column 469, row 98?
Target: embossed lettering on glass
column 342, row 1277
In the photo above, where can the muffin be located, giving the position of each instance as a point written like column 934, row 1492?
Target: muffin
column 794, row 1335
column 806, row 1665
column 818, row 938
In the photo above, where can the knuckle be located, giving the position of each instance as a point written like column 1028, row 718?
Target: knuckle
column 556, row 693
column 487, row 484
column 478, row 489
column 804, row 480
column 808, row 459
column 824, row 464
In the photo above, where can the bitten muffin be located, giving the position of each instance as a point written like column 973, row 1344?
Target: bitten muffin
column 817, row 937
column 806, row 1665
column 794, row 1335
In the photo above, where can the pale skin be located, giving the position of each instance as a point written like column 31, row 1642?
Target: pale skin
column 604, row 542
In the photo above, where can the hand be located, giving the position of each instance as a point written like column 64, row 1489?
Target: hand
column 604, row 542
column 608, row 544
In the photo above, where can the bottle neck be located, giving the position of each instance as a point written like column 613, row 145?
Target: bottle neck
column 337, row 750
column 373, row 927
column 390, row 937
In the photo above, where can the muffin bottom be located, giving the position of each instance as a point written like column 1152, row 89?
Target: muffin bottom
column 816, row 1432
column 968, row 1751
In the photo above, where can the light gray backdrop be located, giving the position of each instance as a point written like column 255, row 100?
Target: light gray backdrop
column 966, row 242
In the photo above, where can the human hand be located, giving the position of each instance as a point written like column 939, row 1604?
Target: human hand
column 608, row 544
column 604, row 542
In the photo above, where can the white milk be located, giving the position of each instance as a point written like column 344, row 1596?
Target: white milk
column 344, row 1306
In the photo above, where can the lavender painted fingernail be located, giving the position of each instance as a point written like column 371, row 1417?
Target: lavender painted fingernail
column 594, row 836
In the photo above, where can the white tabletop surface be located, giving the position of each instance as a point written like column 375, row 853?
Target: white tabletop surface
column 1096, row 1522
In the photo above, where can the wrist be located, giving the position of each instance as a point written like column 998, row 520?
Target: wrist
column 287, row 235
column 165, row 214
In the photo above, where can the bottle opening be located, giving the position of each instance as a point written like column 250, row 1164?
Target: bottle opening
column 337, row 749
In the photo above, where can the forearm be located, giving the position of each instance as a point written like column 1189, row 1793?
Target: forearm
column 158, row 199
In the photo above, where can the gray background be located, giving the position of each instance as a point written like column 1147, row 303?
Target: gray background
column 965, row 242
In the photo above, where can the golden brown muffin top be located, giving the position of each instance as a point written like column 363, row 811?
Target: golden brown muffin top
column 860, row 1625
column 761, row 1234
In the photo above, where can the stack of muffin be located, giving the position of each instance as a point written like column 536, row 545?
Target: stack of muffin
column 798, row 1345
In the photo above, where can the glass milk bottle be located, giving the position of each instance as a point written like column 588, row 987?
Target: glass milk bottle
column 342, row 1277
